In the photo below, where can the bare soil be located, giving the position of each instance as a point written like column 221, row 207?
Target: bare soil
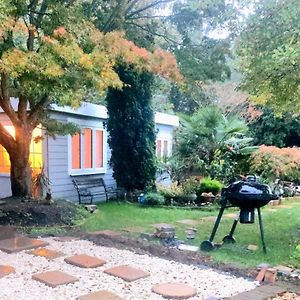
column 23, row 212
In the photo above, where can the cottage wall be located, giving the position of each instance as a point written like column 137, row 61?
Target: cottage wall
column 57, row 152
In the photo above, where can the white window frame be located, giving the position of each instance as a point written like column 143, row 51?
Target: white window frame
column 163, row 138
column 93, row 125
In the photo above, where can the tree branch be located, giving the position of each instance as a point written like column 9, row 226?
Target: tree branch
column 155, row 33
column 5, row 101
column 148, row 6
column 130, row 6
column 6, row 140
column 41, row 13
column 37, row 111
column 111, row 18
column 22, row 109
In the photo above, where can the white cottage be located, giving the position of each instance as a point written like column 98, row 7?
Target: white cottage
column 84, row 154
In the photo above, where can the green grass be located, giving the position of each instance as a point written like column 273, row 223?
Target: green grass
column 282, row 230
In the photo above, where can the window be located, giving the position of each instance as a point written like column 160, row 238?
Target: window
column 162, row 147
column 87, row 151
column 35, row 156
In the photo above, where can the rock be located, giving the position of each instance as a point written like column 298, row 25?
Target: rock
column 263, row 266
column 91, row 208
column 284, row 270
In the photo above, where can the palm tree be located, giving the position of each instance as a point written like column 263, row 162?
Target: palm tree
column 208, row 135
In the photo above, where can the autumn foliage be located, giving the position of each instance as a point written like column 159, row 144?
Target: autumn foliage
column 51, row 53
column 272, row 162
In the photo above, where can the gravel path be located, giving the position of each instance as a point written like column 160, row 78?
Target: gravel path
column 20, row 285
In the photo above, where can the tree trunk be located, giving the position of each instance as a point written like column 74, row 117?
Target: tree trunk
column 20, row 170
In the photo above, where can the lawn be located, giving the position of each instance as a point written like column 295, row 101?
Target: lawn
column 282, row 230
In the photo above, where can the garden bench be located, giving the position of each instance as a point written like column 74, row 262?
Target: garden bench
column 88, row 187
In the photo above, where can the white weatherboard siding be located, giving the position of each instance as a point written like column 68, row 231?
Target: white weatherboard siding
column 59, row 160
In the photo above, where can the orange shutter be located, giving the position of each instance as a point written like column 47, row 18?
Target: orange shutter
column 165, row 150
column 76, row 164
column 99, row 149
column 88, row 148
column 158, row 148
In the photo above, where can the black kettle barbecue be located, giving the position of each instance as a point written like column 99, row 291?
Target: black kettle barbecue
column 248, row 195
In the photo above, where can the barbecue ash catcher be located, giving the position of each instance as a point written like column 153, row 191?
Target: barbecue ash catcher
column 248, row 195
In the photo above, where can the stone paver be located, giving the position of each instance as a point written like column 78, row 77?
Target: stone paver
column 20, row 243
column 7, row 232
column 230, row 216
column 110, row 233
column 252, row 247
column 100, row 295
column 54, row 278
column 134, row 229
column 47, row 253
column 284, row 206
column 188, row 222
column 127, row 273
column 210, row 218
column 85, row 261
column 260, row 293
column 271, row 209
column 6, row 270
column 163, row 225
column 188, row 248
column 174, row 290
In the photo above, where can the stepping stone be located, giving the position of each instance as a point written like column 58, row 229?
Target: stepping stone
column 101, row 295
column 6, row 270
column 134, row 229
column 231, row 216
column 20, row 243
column 284, row 206
column 47, row 253
column 188, row 222
column 85, row 261
column 109, row 233
column 7, row 232
column 163, row 225
column 54, row 278
column 188, row 248
column 174, row 290
column 66, row 238
column 127, row 273
column 271, row 209
column 210, row 218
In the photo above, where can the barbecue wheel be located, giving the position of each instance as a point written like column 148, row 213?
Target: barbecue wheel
column 207, row 246
column 228, row 239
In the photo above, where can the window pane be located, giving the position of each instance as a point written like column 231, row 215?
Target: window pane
column 76, row 151
column 4, row 161
column 158, row 148
column 88, row 148
column 35, row 157
column 165, row 150
column 99, row 149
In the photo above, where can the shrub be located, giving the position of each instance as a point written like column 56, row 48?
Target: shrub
column 208, row 185
column 271, row 162
column 153, row 198
column 189, row 186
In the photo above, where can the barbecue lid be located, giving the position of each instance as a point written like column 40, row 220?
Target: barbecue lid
column 247, row 194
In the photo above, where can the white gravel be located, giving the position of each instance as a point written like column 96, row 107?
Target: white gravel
column 20, row 285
